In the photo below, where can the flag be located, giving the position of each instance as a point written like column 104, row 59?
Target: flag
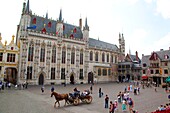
column 44, row 30
column 32, row 27
column 75, row 30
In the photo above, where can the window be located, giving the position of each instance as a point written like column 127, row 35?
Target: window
column 63, row 56
column 104, row 72
column 103, row 57
column 81, row 74
column 96, row 56
column 115, row 59
column 144, row 65
column 111, row 59
column 42, row 55
column 62, row 73
column 166, row 63
column 109, row 71
column 144, row 72
column 52, row 73
column 81, row 58
column 157, row 72
column 53, row 60
column 72, row 56
column 99, row 72
column 165, row 71
column 29, row 72
column 91, row 56
column 30, row 53
column 151, row 71
column 1, row 56
column 10, row 57
column 107, row 57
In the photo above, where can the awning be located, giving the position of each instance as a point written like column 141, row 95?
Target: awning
column 145, row 77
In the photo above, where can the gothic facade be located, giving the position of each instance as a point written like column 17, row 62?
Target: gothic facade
column 55, row 52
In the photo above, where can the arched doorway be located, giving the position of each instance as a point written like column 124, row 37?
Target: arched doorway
column 120, row 78
column 41, row 79
column 11, row 75
column 90, row 78
column 128, row 77
column 72, row 79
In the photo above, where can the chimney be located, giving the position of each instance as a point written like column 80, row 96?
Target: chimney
column 137, row 56
column 161, row 49
column 142, row 55
column 80, row 23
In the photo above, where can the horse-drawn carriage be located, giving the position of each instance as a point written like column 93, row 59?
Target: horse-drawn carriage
column 85, row 97
column 73, row 98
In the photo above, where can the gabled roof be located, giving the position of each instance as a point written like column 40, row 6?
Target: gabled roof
column 132, row 58
column 145, row 59
column 161, row 54
column 42, row 22
column 102, row 45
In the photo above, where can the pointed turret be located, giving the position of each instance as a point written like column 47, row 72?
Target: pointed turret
column 27, row 10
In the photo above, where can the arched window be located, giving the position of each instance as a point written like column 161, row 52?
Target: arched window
column 31, row 52
column 34, row 21
column 52, row 73
column 107, row 57
column 72, row 56
column 111, row 59
column 99, row 72
column 103, row 57
column 53, row 60
column 91, row 56
column 42, row 54
column 29, row 72
column 109, row 71
column 104, row 72
column 81, row 57
column 96, row 56
column 63, row 55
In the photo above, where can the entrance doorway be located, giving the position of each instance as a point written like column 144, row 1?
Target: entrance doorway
column 90, row 78
column 41, row 79
column 11, row 75
column 72, row 79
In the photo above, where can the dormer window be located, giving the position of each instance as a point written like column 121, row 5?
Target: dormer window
column 49, row 24
column 144, row 64
column 166, row 56
column 44, row 30
column 34, row 21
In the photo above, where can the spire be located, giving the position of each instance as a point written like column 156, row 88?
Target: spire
column 46, row 15
column 119, row 35
column 86, row 25
column 60, row 16
column 28, row 7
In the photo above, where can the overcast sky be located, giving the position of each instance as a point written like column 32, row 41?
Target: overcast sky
column 144, row 23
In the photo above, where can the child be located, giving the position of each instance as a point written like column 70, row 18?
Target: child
column 124, row 105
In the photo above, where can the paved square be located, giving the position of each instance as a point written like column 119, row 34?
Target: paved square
column 32, row 100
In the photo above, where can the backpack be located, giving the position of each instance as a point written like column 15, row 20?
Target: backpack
column 130, row 102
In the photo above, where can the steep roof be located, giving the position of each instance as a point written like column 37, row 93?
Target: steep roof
column 162, row 53
column 145, row 59
column 102, row 45
column 67, row 31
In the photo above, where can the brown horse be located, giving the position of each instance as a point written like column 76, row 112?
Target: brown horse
column 60, row 97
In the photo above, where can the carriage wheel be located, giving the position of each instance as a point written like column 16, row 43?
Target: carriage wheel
column 89, row 100
column 76, row 101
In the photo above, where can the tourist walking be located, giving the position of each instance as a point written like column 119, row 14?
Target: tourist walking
column 106, row 101
column 124, row 105
column 100, row 92
column 116, row 105
column 111, row 108
column 52, row 89
column 91, row 89
column 131, row 104
column 42, row 89
column 119, row 97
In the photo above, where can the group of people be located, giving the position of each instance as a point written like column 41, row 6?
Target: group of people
column 163, row 109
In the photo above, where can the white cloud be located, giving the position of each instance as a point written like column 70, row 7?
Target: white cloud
column 149, row 1
column 163, row 8
column 132, row 2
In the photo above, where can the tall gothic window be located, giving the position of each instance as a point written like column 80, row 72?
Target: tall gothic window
column 107, row 57
column 29, row 72
column 104, row 72
column 81, row 57
column 109, row 71
column 52, row 73
column 103, row 57
column 99, row 72
column 72, row 56
column 31, row 52
column 115, row 59
column 1, row 56
column 62, row 73
column 42, row 54
column 111, row 59
column 96, row 56
column 53, row 55
column 81, row 74
column 10, row 57
column 91, row 56
column 64, row 56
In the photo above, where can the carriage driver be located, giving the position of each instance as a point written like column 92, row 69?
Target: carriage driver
column 76, row 92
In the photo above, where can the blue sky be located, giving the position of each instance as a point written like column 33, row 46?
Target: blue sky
column 144, row 23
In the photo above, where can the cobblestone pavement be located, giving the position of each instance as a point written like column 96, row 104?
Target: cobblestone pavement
column 32, row 100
